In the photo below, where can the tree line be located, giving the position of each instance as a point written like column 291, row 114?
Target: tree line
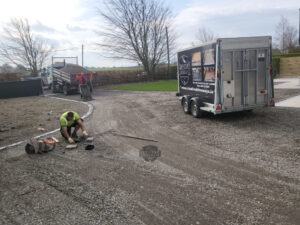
column 136, row 30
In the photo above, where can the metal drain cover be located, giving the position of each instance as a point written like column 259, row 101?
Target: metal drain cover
column 150, row 153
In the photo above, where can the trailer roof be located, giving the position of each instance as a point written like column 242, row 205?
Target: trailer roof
column 215, row 41
column 198, row 46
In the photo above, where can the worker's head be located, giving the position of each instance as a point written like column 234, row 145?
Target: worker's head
column 70, row 116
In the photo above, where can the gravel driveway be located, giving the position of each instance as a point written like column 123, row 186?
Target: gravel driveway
column 240, row 168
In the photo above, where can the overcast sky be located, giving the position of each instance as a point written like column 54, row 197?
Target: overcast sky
column 67, row 24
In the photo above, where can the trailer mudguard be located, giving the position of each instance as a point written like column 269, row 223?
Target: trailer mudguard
column 198, row 101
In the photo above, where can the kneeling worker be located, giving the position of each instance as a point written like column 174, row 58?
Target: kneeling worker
column 69, row 120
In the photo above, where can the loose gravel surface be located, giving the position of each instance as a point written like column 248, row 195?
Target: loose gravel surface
column 240, row 168
column 21, row 117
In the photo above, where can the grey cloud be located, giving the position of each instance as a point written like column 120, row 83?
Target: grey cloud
column 75, row 28
column 42, row 28
column 54, row 43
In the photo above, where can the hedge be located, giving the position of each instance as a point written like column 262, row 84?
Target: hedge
column 296, row 54
column 276, row 61
column 276, row 66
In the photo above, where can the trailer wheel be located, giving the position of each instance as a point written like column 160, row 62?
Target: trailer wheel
column 195, row 109
column 185, row 106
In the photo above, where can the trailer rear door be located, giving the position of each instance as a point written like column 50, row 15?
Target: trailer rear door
column 245, row 74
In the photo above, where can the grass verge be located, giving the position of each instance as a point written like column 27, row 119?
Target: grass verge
column 169, row 85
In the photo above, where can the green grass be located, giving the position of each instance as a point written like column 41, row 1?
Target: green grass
column 170, row 85
column 124, row 68
column 296, row 54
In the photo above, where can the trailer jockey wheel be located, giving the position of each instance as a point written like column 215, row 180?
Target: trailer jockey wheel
column 185, row 105
column 195, row 109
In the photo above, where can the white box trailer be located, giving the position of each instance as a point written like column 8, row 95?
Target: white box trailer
column 226, row 75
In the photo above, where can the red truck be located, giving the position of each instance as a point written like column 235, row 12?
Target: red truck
column 68, row 77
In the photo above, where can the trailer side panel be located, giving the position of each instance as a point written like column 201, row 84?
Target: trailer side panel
column 196, row 72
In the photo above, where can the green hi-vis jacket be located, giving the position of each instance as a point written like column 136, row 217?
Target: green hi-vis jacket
column 65, row 123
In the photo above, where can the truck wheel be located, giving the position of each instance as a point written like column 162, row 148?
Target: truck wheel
column 185, row 106
column 65, row 90
column 195, row 109
column 53, row 87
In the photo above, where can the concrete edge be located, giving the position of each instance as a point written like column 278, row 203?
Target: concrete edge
column 281, row 103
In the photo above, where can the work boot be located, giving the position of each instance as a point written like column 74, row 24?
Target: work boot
column 74, row 134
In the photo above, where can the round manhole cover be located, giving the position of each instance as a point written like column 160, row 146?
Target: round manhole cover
column 150, row 153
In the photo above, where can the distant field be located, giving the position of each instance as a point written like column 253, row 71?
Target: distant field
column 115, row 69
column 170, row 85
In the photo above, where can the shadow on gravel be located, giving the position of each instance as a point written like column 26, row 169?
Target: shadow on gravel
column 105, row 93
column 234, row 116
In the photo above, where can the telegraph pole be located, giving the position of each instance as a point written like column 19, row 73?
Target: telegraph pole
column 82, row 55
column 168, row 51
column 299, row 28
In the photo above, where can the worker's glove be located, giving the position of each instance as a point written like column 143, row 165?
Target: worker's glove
column 70, row 140
column 85, row 133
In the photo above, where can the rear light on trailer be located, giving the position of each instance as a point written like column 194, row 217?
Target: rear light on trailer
column 219, row 74
column 271, row 70
column 272, row 102
column 218, row 108
column 264, row 92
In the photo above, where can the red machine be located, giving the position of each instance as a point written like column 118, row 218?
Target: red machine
column 68, row 77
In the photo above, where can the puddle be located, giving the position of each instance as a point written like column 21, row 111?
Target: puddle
column 150, row 153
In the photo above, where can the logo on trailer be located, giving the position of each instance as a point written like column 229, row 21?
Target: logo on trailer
column 184, row 69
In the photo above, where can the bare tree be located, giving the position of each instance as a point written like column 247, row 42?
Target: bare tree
column 205, row 35
column 286, row 35
column 22, row 48
column 6, row 68
column 136, row 31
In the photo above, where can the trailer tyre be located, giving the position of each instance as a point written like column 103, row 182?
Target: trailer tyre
column 195, row 109
column 186, row 106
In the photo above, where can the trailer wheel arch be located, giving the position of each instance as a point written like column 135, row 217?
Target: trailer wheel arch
column 186, row 104
column 195, row 105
